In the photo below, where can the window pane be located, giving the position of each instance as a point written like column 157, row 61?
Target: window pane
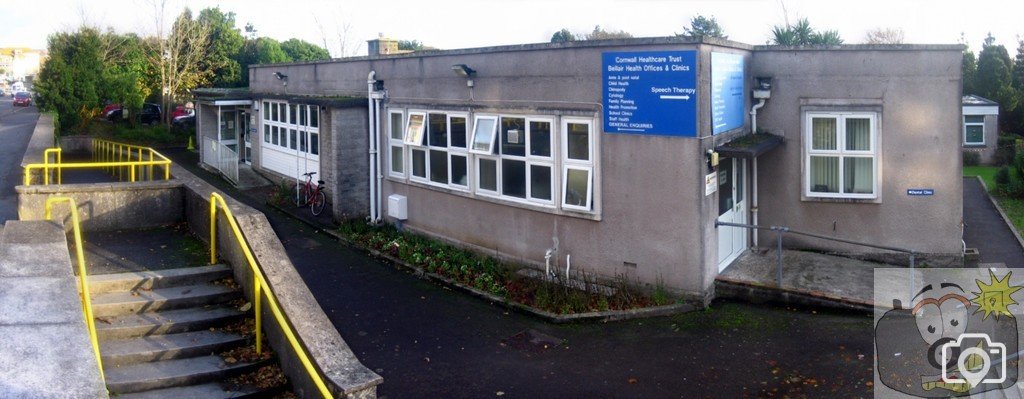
column 858, row 134
column 513, row 178
column 540, row 139
column 858, row 176
column 292, row 117
column 488, row 174
column 302, row 141
column 513, row 137
column 483, row 134
column 314, row 116
column 291, row 139
column 419, row 163
column 274, row 135
column 273, row 112
column 824, row 174
column 266, row 112
column 396, row 159
column 823, row 133
column 974, row 118
column 725, row 185
column 459, row 175
column 540, row 182
column 266, row 133
column 439, row 166
column 396, row 126
column 414, row 130
column 577, row 187
column 458, row 131
column 975, row 134
column 578, row 141
column 314, row 143
column 437, row 135
column 303, row 111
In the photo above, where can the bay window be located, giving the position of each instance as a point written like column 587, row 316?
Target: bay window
column 841, row 155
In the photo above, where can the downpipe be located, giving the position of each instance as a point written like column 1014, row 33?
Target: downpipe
column 372, row 138
column 753, row 205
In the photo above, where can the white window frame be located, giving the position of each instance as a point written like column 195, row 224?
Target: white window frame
column 494, row 135
column 393, row 142
column 982, row 124
column 285, row 124
column 841, row 153
column 459, row 151
column 578, row 164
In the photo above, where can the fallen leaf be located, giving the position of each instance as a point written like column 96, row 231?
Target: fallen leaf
column 632, row 380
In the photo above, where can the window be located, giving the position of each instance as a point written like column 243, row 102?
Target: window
column 483, row 134
column 397, row 153
column 414, row 129
column 290, row 128
column 841, row 155
column 974, row 129
column 578, row 165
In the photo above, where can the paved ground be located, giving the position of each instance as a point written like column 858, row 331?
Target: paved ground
column 985, row 229
column 16, row 125
column 428, row 341
column 138, row 250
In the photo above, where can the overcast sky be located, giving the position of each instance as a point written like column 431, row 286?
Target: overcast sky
column 476, row 23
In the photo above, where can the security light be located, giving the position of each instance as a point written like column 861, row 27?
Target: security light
column 280, row 76
column 463, row 70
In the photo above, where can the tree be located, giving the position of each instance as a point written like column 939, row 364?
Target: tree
column 994, row 79
column 704, row 27
column 224, row 43
column 178, row 54
column 261, row 50
column 128, row 77
column 801, row 34
column 884, row 36
column 299, row 50
column 71, row 76
column 601, row 34
column 969, row 67
column 410, row 45
column 563, row 36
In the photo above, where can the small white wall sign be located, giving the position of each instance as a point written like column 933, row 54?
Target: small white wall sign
column 710, row 183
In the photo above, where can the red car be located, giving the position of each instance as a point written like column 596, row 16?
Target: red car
column 23, row 99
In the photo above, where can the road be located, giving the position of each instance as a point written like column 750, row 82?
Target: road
column 428, row 341
column 16, row 125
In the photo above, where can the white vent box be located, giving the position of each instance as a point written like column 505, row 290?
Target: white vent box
column 398, row 207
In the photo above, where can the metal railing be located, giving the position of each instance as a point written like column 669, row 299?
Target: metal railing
column 46, row 160
column 82, row 275
column 260, row 284
column 125, row 161
column 782, row 230
column 221, row 157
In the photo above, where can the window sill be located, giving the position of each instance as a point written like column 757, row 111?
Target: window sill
column 840, row 200
column 553, row 210
column 974, row 145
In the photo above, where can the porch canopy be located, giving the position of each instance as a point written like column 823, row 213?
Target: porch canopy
column 749, row 146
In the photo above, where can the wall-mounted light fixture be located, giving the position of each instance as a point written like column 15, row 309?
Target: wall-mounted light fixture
column 466, row 72
column 282, row 77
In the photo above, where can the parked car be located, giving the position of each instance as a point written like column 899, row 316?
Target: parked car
column 185, row 121
column 182, row 110
column 149, row 115
column 108, row 109
column 22, row 98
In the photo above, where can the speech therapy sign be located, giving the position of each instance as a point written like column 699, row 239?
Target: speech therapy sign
column 651, row 92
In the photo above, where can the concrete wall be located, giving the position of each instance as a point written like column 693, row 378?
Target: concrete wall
column 344, row 161
column 41, row 139
column 344, row 374
column 108, row 206
column 917, row 94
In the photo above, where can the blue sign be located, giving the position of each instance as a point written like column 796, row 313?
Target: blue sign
column 920, row 191
column 651, row 92
column 728, row 89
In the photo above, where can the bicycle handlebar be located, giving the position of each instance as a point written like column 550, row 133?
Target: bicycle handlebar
column 309, row 174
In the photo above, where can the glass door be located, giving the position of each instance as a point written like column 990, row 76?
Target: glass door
column 732, row 208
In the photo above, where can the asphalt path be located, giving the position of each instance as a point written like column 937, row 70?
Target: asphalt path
column 16, row 125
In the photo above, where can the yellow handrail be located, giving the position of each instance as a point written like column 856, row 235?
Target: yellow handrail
column 83, row 283
column 46, row 160
column 260, row 283
column 113, row 156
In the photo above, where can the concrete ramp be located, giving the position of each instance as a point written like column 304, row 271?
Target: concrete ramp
column 45, row 351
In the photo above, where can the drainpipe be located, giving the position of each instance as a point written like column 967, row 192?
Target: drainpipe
column 372, row 137
column 376, row 154
column 753, row 205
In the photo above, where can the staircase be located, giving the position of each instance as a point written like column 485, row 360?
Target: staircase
column 161, row 332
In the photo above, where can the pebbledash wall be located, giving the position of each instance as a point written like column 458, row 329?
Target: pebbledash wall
column 644, row 212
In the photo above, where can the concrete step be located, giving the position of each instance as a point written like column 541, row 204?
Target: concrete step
column 211, row 390
column 119, row 303
column 173, row 373
column 123, row 352
column 150, row 280
column 165, row 322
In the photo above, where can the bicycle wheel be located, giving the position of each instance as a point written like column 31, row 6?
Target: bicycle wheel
column 319, row 202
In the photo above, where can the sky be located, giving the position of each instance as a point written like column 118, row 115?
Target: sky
column 448, row 24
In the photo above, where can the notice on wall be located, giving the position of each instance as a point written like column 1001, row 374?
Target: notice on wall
column 728, row 90
column 920, row 191
column 710, row 183
column 651, row 92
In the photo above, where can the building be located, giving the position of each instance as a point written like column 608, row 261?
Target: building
column 625, row 153
column 980, row 127
column 18, row 63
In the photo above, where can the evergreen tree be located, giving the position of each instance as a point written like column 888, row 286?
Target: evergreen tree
column 704, row 27
column 994, row 79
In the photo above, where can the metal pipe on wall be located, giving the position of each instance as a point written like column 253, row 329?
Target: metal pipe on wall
column 372, row 137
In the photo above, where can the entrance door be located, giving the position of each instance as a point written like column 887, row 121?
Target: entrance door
column 732, row 208
column 243, row 129
column 229, row 129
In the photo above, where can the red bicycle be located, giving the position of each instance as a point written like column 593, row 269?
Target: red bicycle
column 311, row 195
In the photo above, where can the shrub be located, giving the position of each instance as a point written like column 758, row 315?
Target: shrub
column 971, row 158
column 1003, row 176
column 1018, row 165
column 1006, row 149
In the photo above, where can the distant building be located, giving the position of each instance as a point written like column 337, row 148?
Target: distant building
column 980, row 126
column 17, row 63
